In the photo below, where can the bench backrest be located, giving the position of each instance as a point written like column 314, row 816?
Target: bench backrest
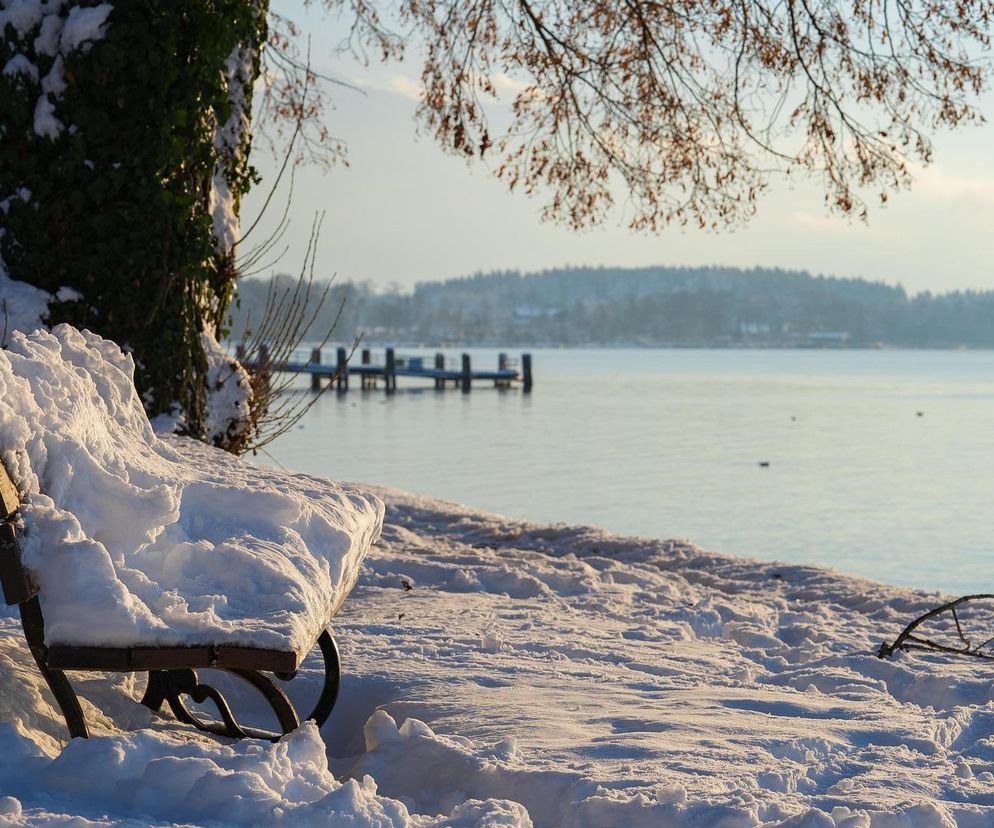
column 9, row 499
column 17, row 586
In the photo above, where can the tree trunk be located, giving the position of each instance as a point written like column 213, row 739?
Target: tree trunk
column 123, row 158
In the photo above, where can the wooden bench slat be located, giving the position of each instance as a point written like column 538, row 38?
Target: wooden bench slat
column 249, row 658
column 70, row 657
column 9, row 499
column 88, row 658
column 168, row 658
column 17, row 586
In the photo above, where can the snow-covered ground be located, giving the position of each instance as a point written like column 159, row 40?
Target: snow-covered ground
column 498, row 673
column 503, row 673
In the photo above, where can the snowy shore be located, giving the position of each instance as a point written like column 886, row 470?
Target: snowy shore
column 497, row 673
column 504, row 673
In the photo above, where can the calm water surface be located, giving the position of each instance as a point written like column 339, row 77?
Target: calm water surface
column 668, row 443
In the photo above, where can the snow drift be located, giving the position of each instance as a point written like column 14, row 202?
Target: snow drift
column 555, row 676
column 137, row 540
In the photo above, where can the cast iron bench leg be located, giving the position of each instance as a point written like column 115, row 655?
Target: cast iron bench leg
column 33, row 624
column 168, row 686
column 332, row 679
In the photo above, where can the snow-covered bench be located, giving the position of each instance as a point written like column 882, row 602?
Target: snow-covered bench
column 127, row 552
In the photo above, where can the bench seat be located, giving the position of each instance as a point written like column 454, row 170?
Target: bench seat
column 158, row 553
column 265, row 576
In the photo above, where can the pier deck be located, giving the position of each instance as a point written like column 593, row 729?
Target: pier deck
column 440, row 370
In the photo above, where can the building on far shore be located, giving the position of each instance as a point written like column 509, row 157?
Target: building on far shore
column 828, row 339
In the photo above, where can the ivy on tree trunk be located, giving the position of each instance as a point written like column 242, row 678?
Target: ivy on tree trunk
column 115, row 200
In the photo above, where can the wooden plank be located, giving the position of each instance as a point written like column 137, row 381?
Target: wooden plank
column 123, row 659
column 65, row 657
column 169, row 658
column 250, row 658
column 9, row 499
column 17, row 586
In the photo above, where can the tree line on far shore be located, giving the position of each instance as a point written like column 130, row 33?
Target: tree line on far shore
column 662, row 306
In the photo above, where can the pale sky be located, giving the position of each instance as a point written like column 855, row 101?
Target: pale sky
column 404, row 211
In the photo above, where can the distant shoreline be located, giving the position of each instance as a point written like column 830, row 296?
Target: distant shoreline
column 644, row 308
column 552, row 346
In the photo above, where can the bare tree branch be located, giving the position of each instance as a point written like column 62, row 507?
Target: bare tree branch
column 687, row 107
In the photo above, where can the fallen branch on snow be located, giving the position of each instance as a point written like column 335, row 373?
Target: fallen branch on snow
column 909, row 640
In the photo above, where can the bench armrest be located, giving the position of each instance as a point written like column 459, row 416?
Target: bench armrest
column 17, row 586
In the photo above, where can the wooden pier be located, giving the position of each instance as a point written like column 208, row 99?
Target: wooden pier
column 441, row 371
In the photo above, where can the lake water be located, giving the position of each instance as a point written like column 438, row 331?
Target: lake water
column 668, row 443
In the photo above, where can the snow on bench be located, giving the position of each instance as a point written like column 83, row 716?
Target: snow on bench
column 152, row 553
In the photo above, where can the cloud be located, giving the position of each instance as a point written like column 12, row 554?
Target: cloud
column 819, row 221
column 505, row 84
column 943, row 186
column 410, row 89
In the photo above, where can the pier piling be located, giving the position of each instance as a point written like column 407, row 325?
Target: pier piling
column 501, row 366
column 390, row 371
column 467, row 374
column 526, row 373
column 439, row 366
column 316, row 378
column 368, row 381
column 342, row 370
